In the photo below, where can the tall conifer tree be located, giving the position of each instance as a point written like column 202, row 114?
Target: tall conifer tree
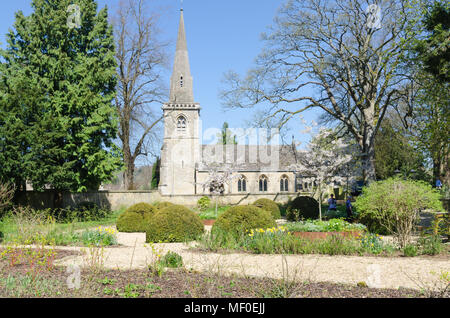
column 58, row 80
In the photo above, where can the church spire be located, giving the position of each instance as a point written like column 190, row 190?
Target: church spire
column 181, row 90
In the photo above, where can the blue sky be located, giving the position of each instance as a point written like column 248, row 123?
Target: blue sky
column 221, row 36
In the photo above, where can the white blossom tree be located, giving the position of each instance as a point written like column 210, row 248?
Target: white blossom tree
column 325, row 160
column 218, row 177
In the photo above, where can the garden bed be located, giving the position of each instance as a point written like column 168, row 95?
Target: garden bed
column 324, row 235
column 177, row 283
column 208, row 222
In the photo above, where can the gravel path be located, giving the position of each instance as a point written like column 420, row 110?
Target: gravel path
column 381, row 272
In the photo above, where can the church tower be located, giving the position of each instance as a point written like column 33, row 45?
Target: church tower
column 180, row 152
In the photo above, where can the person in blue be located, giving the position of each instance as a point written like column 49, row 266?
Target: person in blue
column 332, row 203
column 349, row 208
column 438, row 184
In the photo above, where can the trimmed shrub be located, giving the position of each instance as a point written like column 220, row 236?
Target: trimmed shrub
column 239, row 219
column 303, row 208
column 268, row 205
column 135, row 218
column 203, row 203
column 163, row 205
column 174, row 223
column 142, row 208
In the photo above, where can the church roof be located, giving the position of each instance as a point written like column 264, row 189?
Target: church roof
column 247, row 158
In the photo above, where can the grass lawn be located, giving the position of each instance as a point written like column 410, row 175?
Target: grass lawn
column 210, row 213
column 15, row 229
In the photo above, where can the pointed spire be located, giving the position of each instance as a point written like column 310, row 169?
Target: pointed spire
column 181, row 41
column 181, row 81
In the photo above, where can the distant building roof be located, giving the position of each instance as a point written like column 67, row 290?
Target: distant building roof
column 250, row 157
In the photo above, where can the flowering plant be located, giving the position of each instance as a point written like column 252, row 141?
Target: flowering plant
column 103, row 236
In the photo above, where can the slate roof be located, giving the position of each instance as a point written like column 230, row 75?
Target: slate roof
column 250, row 157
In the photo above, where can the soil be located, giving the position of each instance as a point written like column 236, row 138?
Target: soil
column 178, row 283
column 203, row 273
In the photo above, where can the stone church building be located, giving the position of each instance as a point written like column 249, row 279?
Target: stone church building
column 186, row 163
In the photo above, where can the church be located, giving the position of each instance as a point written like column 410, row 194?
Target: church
column 187, row 165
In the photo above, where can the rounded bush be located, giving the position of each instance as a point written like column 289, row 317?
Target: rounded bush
column 270, row 206
column 303, row 208
column 239, row 219
column 163, row 205
column 142, row 208
column 135, row 218
column 174, row 223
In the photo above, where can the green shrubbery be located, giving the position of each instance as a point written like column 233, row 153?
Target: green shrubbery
column 172, row 260
column 280, row 241
column 431, row 245
column 239, row 219
column 410, row 250
column 135, row 218
column 174, row 224
column 211, row 214
column 395, row 205
column 203, row 203
column 270, row 206
column 303, row 207
column 334, row 225
column 163, row 205
column 85, row 211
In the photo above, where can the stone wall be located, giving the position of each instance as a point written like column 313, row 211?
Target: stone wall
column 117, row 199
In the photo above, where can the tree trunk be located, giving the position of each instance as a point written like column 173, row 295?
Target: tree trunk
column 370, row 166
column 57, row 200
column 320, row 202
column 128, row 176
column 368, row 158
column 436, row 169
column 446, row 171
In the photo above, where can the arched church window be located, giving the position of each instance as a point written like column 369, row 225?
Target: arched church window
column 263, row 183
column 181, row 123
column 284, row 184
column 242, row 184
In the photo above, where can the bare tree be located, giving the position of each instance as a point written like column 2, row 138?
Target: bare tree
column 341, row 56
column 218, row 177
column 6, row 196
column 141, row 58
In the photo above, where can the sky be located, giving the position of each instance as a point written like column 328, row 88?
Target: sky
column 221, row 36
